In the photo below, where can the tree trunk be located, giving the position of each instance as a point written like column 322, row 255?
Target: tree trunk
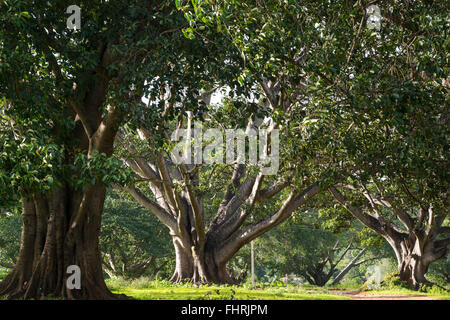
column 59, row 230
column 198, row 265
column 412, row 270
column 320, row 279
column 317, row 277
column 414, row 255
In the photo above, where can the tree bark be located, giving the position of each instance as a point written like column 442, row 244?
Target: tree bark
column 414, row 256
column 62, row 228
column 57, row 233
column 412, row 270
column 198, row 266
column 317, row 277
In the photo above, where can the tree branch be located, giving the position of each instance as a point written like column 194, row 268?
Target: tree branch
column 245, row 235
column 368, row 221
column 271, row 191
column 167, row 219
column 198, row 214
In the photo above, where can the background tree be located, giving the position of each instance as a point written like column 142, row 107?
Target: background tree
column 10, row 228
column 389, row 124
column 133, row 243
column 372, row 107
column 439, row 272
column 315, row 249
column 385, row 117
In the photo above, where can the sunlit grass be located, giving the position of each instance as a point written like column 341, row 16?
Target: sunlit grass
column 145, row 289
column 218, row 293
column 157, row 290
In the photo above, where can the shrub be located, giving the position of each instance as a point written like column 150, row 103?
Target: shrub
column 434, row 290
column 392, row 281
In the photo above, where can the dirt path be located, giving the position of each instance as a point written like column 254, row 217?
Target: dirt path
column 356, row 295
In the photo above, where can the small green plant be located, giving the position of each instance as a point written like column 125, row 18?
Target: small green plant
column 219, row 294
column 392, row 281
column 276, row 283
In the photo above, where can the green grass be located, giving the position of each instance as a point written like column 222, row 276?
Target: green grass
column 219, row 293
column 145, row 289
column 162, row 290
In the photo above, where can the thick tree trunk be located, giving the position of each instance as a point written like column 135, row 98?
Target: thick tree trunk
column 62, row 228
column 412, row 262
column 412, row 270
column 414, row 256
column 184, row 267
column 198, row 265
column 59, row 230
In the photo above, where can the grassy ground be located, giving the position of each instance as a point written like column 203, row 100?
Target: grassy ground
column 164, row 290
column 144, row 289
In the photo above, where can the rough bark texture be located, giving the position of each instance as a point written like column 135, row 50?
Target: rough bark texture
column 200, row 266
column 55, row 235
column 414, row 256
